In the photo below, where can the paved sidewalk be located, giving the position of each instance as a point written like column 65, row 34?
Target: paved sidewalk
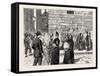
column 80, row 58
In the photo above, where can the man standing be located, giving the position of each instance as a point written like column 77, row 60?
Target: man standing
column 88, row 41
column 38, row 50
column 27, row 44
column 80, row 41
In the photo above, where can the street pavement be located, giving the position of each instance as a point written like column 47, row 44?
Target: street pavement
column 81, row 57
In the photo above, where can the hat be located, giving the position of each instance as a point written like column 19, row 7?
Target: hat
column 38, row 33
column 51, row 35
column 57, row 34
column 26, row 34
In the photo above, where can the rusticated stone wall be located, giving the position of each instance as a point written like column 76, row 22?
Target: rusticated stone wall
column 76, row 21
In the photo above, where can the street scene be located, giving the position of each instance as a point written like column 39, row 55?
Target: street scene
column 54, row 37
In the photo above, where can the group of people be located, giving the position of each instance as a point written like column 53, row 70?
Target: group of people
column 84, row 42
column 50, row 49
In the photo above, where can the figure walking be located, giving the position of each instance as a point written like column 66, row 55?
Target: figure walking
column 38, row 50
column 27, row 41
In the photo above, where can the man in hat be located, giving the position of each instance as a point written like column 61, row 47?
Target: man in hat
column 38, row 50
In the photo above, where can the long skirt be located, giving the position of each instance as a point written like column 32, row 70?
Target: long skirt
column 68, row 57
column 55, row 56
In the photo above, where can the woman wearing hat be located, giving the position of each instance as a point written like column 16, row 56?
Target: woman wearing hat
column 55, row 51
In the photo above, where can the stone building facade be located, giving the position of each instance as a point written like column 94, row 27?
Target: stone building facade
column 70, row 21
column 63, row 21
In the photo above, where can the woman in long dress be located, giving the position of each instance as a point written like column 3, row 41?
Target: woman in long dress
column 55, row 51
column 69, row 50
